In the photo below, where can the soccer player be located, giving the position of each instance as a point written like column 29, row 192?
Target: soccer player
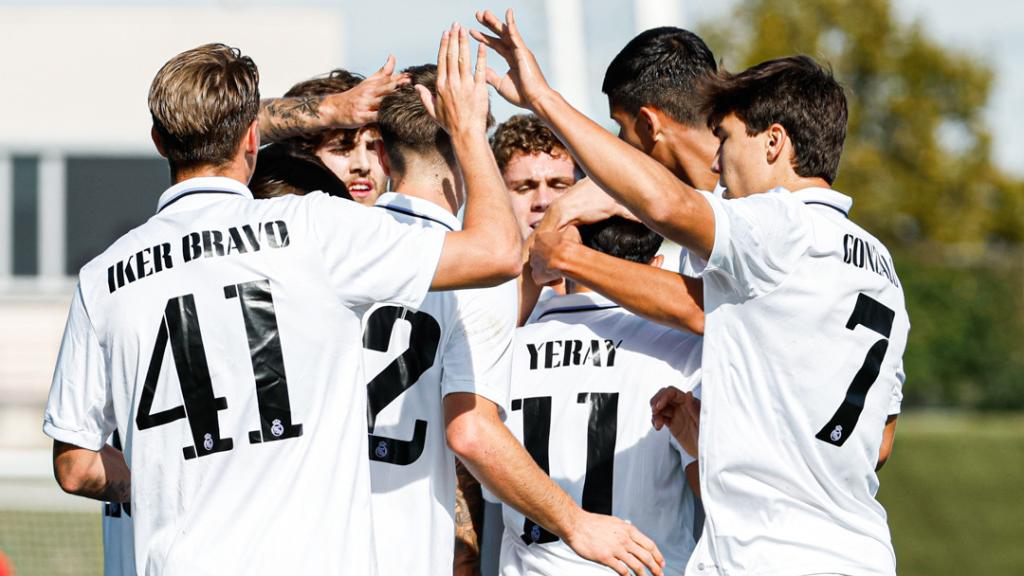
column 806, row 322
column 440, row 376
column 223, row 338
column 653, row 95
column 351, row 153
column 583, row 376
column 536, row 167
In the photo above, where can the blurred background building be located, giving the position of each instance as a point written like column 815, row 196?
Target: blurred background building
column 934, row 159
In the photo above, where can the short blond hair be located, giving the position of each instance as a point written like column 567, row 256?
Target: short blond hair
column 202, row 102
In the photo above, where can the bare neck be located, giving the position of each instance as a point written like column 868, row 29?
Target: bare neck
column 237, row 170
column 434, row 183
column 693, row 151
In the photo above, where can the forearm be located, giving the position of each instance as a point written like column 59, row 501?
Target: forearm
column 489, row 245
column 649, row 190
column 283, row 118
column 655, row 294
column 692, row 472
column 504, row 467
column 99, row 475
column 469, row 509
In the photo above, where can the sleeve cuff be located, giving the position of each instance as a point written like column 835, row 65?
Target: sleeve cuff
column 79, row 438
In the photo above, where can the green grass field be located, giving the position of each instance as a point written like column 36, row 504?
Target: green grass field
column 954, row 489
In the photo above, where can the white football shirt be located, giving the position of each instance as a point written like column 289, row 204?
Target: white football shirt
column 805, row 332
column 222, row 338
column 118, row 542
column 582, row 380
column 459, row 341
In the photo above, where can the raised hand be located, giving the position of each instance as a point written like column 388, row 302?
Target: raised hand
column 524, row 84
column 584, row 203
column 680, row 411
column 616, row 544
column 358, row 106
column 460, row 104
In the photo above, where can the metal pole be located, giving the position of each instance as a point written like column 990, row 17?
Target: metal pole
column 649, row 14
column 6, row 216
column 52, row 206
column 568, row 51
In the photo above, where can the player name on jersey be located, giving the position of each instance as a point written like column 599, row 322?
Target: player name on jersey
column 202, row 244
column 561, row 353
column 864, row 254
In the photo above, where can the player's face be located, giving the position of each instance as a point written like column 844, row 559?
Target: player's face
column 534, row 181
column 356, row 162
column 741, row 161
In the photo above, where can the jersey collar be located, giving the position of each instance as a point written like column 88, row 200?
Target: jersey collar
column 418, row 208
column 213, row 185
column 570, row 303
column 825, row 197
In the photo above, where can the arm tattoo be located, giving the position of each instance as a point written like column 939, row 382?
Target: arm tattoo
column 468, row 522
column 283, row 118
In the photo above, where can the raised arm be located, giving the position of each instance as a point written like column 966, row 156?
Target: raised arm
column 488, row 250
column 283, row 118
column 648, row 189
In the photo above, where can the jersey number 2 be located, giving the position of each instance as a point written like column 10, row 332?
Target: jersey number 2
column 397, row 377
column 877, row 317
column 601, row 431
column 180, row 328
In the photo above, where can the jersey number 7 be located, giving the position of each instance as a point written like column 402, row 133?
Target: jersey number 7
column 877, row 317
column 180, row 328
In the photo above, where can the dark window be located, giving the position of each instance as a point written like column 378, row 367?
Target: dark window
column 107, row 197
column 26, row 215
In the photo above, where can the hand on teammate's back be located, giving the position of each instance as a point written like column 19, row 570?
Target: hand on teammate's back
column 615, row 543
column 680, row 411
column 524, row 84
column 358, row 106
column 461, row 103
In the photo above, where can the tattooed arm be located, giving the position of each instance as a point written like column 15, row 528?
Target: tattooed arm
column 469, row 508
column 99, row 475
column 283, row 118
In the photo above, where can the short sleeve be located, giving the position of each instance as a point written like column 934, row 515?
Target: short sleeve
column 758, row 241
column 478, row 355
column 80, row 408
column 896, row 398
column 370, row 256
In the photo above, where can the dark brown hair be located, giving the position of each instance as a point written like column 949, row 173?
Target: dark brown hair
column 282, row 170
column 524, row 134
column 202, row 102
column 797, row 93
column 407, row 127
column 661, row 67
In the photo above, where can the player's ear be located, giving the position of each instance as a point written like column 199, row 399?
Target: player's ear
column 252, row 138
column 385, row 162
column 775, row 142
column 649, row 126
column 157, row 142
column 658, row 260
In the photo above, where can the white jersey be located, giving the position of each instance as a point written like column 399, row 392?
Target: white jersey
column 582, row 380
column 222, row 338
column 804, row 339
column 118, row 542
column 458, row 341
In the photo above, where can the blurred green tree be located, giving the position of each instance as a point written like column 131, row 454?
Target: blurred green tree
column 918, row 163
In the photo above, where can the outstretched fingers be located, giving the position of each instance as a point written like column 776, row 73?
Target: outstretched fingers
column 442, row 58
column 481, row 76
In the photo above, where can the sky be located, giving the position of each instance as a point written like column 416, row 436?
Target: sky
column 986, row 28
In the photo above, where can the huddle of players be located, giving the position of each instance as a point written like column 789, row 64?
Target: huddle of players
column 584, row 369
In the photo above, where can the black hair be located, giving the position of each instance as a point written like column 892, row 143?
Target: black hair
column 797, row 93
column 622, row 238
column 662, row 67
column 282, row 169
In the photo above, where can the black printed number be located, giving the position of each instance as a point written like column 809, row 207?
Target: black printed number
column 601, row 433
column 400, row 375
column 877, row 317
column 179, row 327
